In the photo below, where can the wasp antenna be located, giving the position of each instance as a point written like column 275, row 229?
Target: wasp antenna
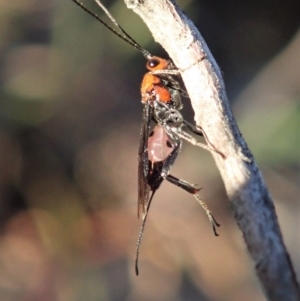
column 146, row 54
column 138, row 46
column 125, row 37
column 134, row 43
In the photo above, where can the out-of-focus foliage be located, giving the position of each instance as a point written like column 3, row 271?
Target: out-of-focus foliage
column 69, row 132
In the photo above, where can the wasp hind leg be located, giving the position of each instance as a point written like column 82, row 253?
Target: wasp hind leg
column 195, row 192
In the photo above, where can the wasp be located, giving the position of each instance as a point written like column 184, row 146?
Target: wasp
column 161, row 96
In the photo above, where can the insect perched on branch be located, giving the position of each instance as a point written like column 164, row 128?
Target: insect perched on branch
column 161, row 96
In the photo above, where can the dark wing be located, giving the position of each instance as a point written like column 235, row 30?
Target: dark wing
column 143, row 163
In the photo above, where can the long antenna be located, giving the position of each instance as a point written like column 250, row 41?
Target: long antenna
column 124, row 36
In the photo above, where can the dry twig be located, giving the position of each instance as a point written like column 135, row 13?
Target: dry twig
column 251, row 202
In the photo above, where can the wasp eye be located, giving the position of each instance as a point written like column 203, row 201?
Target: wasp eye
column 153, row 63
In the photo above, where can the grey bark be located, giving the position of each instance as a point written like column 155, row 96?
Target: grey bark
column 251, row 202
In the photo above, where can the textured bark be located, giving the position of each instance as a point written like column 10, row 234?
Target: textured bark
column 251, row 202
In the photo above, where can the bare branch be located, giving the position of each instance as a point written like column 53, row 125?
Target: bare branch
column 251, row 202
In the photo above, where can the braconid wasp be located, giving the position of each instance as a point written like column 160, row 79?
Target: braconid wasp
column 161, row 95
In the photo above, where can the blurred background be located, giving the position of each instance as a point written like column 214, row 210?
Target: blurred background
column 70, row 114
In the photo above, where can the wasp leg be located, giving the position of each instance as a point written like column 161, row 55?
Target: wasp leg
column 195, row 192
column 166, row 72
column 189, row 138
column 169, row 161
column 194, row 128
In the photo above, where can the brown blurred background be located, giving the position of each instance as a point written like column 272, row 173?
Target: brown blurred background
column 70, row 114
